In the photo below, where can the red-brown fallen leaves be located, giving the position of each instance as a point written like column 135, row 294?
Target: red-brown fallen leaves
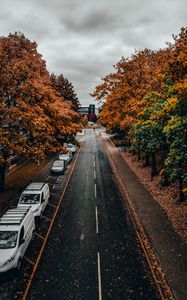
column 165, row 196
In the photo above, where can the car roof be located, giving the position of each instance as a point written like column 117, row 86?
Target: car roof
column 37, row 186
column 58, row 161
column 14, row 216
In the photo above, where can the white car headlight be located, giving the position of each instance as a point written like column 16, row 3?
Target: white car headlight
column 9, row 260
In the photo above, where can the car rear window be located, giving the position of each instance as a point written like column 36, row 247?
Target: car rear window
column 58, row 164
column 29, row 199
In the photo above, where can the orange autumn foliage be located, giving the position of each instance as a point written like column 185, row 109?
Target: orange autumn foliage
column 124, row 91
column 32, row 114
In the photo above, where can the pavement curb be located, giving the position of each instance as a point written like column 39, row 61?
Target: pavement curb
column 159, row 276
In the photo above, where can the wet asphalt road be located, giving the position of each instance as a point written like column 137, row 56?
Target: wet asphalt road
column 93, row 251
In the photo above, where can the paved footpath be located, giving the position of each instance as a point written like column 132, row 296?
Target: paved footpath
column 168, row 247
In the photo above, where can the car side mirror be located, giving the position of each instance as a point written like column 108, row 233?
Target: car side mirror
column 22, row 242
column 43, row 200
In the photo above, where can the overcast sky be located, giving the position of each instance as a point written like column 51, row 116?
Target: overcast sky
column 82, row 39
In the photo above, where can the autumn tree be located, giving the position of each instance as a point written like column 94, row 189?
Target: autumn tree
column 68, row 102
column 65, row 90
column 84, row 121
column 30, row 108
column 145, row 101
column 23, row 120
column 124, row 91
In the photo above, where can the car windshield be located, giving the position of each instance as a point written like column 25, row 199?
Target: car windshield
column 30, row 199
column 71, row 146
column 58, row 164
column 64, row 154
column 8, row 239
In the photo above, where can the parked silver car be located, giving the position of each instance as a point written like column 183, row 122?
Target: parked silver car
column 58, row 167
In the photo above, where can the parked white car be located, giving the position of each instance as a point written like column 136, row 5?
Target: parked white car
column 66, row 156
column 58, row 167
column 72, row 147
column 16, row 229
column 35, row 195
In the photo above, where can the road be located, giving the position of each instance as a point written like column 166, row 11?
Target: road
column 93, row 251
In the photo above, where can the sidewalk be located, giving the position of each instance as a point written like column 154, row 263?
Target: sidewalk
column 18, row 179
column 168, row 247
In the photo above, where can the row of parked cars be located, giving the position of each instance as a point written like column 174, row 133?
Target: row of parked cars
column 64, row 158
column 18, row 224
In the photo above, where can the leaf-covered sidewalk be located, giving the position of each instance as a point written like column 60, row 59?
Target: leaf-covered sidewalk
column 170, row 250
column 165, row 196
column 17, row 180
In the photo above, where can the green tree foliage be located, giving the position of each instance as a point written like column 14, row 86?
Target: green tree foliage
column 176, row 161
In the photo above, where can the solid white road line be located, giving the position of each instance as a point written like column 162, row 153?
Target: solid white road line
column 95, row 190
column 94, row 175
column 94, row 163
column 96, row 219
column 99, row 275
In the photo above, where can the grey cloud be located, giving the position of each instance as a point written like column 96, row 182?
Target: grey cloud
column 84, row 39
column 93, row 21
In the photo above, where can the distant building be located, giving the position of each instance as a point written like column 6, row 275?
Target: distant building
column 86, row 110
column 92, row 109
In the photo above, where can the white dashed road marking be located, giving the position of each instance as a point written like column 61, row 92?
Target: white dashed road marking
column 96, row 219
column 95, row 190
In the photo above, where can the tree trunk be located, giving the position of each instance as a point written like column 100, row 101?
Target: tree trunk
column 129, row 143
column 181, row 194
column 153, row 165
column 147, row 162
column 165, row 181
column 2, row 176
column 139, row 155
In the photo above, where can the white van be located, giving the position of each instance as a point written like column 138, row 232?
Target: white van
column 35, row 195
column 16, row 229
